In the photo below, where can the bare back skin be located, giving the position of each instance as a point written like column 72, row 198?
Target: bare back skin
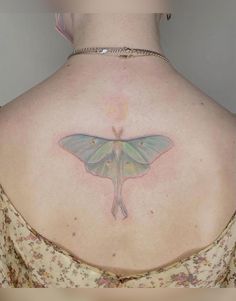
column 180, row 206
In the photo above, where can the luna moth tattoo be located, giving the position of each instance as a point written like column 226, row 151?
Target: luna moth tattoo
column 118, row 159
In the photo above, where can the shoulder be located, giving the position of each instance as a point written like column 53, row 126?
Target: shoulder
column 227, row 142
column 12, row 132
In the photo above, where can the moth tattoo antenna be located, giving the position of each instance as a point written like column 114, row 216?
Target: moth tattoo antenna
column 117, row 134
column 118, row 159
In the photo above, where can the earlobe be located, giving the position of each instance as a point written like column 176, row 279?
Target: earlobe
column 62, row 27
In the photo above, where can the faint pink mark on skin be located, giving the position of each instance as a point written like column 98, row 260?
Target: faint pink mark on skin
column 117, row 108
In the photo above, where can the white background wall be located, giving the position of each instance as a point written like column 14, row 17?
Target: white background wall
column 200, row 43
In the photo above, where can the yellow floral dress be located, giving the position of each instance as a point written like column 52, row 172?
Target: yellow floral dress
column 29, row 260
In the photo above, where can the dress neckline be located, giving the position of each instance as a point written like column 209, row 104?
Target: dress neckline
column 100, row 270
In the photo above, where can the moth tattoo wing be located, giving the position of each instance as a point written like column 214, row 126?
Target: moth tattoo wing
column 87, row 148
column 150, row 147
column 117, row 160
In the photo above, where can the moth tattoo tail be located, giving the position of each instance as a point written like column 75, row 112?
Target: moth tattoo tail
column 118, row 203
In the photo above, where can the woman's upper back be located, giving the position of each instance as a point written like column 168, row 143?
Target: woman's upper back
column 180, row 206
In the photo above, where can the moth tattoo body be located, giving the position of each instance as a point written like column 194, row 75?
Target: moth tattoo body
column 118, row 159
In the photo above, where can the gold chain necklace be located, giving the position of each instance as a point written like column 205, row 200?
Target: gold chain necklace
column 122, row 52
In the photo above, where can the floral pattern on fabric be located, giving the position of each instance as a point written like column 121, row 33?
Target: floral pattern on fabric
column 31, row 261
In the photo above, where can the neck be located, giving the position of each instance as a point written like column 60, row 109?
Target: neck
column 117, row 30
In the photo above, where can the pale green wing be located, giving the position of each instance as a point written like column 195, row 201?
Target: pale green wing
column 100, row 160
column 130, row 168
column 145, row 150
column 89, row 149
column 106, row 168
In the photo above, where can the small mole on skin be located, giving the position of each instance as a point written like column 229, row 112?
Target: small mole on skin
column 73, row 234
column 114, row 255
column 202, row 103
column 75, row 219
column 152, row 212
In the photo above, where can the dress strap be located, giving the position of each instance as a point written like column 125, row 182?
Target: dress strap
column 3, row 199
